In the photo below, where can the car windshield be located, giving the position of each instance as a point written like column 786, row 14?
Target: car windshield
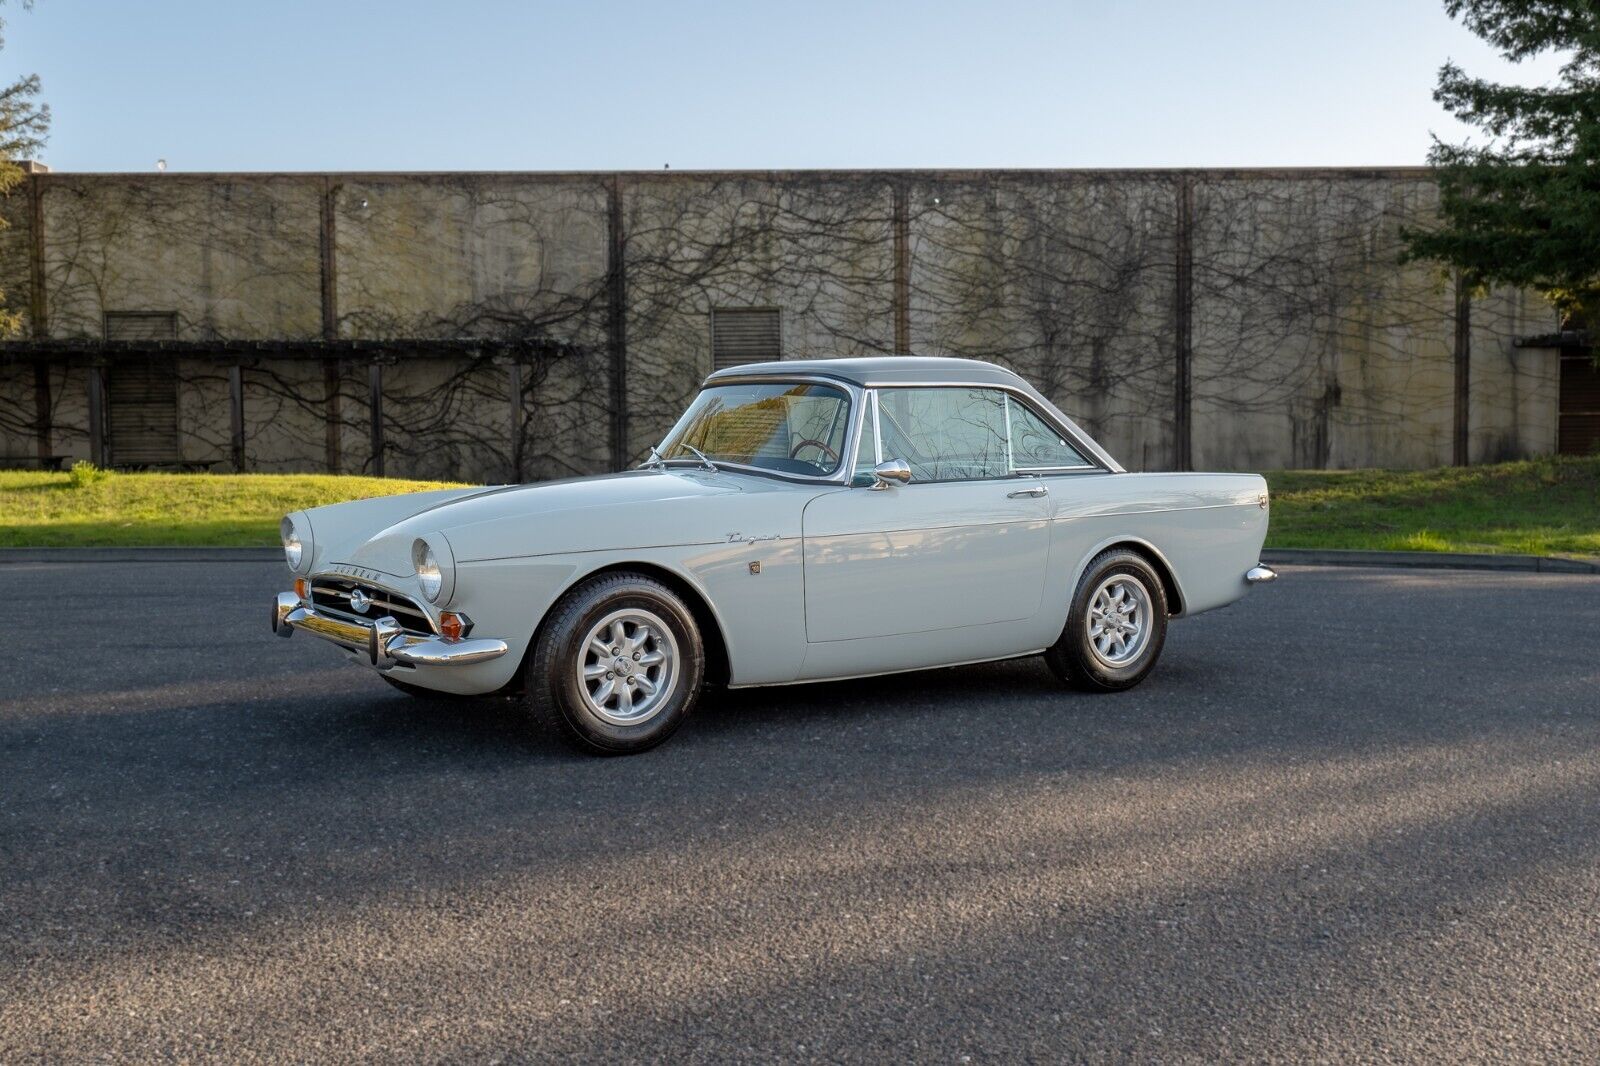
column 788, row 428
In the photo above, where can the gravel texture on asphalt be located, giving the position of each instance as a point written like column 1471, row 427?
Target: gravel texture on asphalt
column 1355, row 816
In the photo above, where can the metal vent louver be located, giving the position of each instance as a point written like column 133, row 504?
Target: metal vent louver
column 745, row 335
column 143, row 392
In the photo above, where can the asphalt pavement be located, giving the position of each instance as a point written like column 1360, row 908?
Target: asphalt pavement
column 1354, row 817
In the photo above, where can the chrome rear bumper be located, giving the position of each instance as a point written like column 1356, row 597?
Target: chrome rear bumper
column 1260, row 575
column 382, row 640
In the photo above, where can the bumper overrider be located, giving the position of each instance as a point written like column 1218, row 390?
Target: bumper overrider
column 382, row 640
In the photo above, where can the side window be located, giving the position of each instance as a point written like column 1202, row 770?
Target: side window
column 1035, row 444
column 945, row 434
column 867, row 453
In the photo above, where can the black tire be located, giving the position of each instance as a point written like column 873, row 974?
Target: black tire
column 1075, row 658
column 564, row 704
column 421, row 693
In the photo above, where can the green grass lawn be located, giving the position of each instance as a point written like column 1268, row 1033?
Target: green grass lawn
column 1541, row 507
column 1538, row 507
column 232, row 510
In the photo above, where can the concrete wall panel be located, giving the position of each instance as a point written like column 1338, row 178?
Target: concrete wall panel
column 1069, row 280
column 1310, row 343
column 1514, row 391
column 1313, row 345
column 233, row 257
column 470, row 256
column 819, row 250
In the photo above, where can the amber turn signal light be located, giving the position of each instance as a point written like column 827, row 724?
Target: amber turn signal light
column 300, row 588
column 451, row 625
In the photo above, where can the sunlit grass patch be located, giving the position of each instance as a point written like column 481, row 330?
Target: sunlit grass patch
column 93, row 508
column 1548, row 506
column 1423, row 540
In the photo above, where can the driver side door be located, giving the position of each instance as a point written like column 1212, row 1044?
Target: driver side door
column 925, row 572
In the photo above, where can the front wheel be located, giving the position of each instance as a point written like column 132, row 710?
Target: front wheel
column 617, row 666
column 1116, row 626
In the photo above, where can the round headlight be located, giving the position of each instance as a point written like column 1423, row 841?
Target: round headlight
column 429, row 576
column 293, row 550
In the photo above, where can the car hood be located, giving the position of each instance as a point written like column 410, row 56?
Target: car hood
column 634, row 509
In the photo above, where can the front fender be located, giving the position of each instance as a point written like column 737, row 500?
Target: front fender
column 340, row 530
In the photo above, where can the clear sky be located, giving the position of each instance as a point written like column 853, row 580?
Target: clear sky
column 499, row 85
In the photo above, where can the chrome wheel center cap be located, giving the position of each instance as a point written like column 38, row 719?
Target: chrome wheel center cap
column 628, row 668
column 1118, row 634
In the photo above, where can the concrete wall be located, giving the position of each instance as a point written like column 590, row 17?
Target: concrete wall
column 1067, row 278
column 1315, row 347
column 485, row 256
column 232, row 256
column 818, row 248
column 1227, row 319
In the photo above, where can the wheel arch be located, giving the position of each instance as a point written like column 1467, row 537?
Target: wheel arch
column 1153, row 555
column 712, row 635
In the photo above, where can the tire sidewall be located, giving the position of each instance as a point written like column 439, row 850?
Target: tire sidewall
column 1074, row 645
column 558, row 649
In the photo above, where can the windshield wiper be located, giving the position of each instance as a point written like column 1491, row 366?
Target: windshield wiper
column 658, row 459
column 700, row 455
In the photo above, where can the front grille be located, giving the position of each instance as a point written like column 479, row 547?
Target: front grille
column 334, row 594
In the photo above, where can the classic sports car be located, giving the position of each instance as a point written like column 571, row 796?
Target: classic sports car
column 803, row 521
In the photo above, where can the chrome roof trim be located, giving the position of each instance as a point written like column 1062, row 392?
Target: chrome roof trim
column 888, row 370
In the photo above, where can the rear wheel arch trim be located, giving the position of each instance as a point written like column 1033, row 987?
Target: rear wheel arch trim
column 1153, row 555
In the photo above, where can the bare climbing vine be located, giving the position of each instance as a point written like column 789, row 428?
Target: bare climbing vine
column 1310, row 344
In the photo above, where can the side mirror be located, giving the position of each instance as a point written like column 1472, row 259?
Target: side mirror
column 891, row 470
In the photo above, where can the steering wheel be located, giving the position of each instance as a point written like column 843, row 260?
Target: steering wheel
column 818, row 444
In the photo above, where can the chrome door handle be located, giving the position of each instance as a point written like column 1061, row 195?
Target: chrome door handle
column 1037, row 490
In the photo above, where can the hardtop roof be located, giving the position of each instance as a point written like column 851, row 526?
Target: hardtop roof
column 891, row 370
column 882, row 370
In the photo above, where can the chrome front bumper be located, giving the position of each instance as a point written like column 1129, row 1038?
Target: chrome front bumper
column 382, row 640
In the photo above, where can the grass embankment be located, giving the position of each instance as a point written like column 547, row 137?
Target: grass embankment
column 226, row 510
column 1541, row 507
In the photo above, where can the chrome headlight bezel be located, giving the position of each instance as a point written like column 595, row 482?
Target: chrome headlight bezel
column 298, row 546
column 435, row 567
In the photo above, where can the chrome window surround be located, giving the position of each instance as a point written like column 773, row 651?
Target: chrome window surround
column 863, row 396
column 1005, row 403
column 877, row 428
column 852, row 391
column 1074, row 468
column 1089, row 466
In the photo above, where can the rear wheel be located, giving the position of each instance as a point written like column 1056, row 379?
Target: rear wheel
column 1116, row 626
column 617, row 666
